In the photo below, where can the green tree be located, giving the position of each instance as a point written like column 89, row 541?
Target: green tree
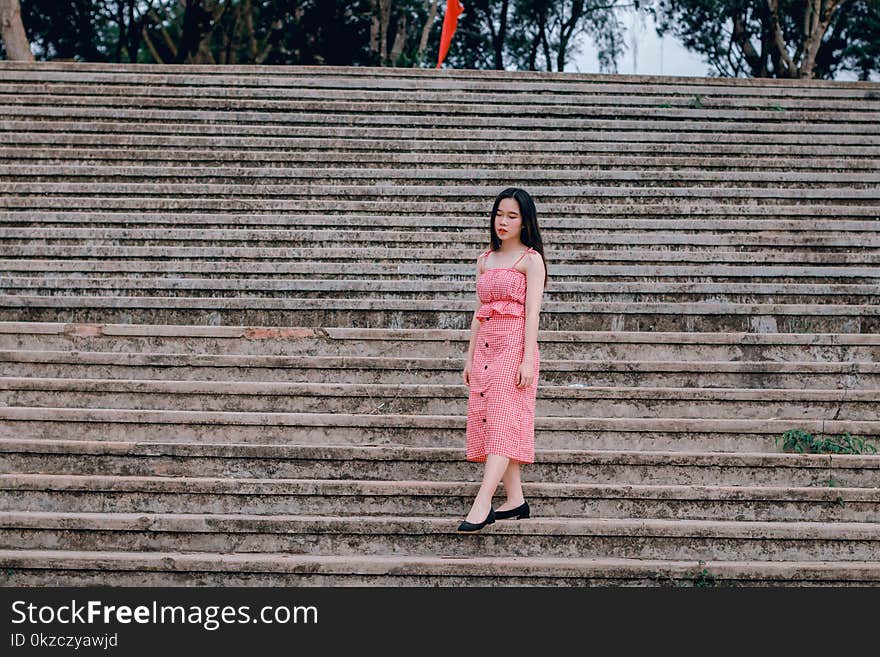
column 533, row 34
column 70, row 30
column 553, row 31
column 776, row 38
column 853, row 42
column 401, row 31
column 12, row 33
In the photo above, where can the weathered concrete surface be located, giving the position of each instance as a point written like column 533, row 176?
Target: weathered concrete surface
column 274, row 407
column 56, row 568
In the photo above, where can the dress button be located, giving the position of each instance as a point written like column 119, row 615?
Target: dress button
column 485, row 367
column 481, row 394
column 484, row 419
column 487, row 344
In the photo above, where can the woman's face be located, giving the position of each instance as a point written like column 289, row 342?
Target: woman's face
column 508, row 220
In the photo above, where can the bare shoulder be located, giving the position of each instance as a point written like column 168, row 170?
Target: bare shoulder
column 533, row 262
column 481, row 261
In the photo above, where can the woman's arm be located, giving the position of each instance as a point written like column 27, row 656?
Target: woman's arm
column 475, row 323
column 534, row 294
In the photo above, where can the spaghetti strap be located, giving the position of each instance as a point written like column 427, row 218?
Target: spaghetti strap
column 525, row 253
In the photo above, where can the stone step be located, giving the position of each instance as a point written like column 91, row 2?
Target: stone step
column 593, row 91
column 126, row 494
column 348, row 79
column 359, row 346
column 674, row 204
column 442, row 291
column 865, row 238
column 401, row 261
column 389, row 462
column 664, row 94
column 458, row 229
column 418, row 398
column 128, row 180
column 412, row 114
column 435, row 289
column 92, row 194
column 413, row 260
column 350, row 535
column 407, row 314
column 388, row 349
column 713, row 431
column 153, row 568
column 577, row 134
column 219, row 269
column 87, row 154
column 363, row 226
column 701, row 413
column 93, row 174
column 95, row 101
column 445, row 371
column 369, row 219
column 473, row 106
column 258, row 144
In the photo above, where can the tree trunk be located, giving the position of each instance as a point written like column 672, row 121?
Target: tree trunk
column 157, row 58
column 12, row 31
column 499, row 35
column 399, row 42
column 135, row 22
column 379, row 30
column 567, row 30
column 194, row 16
column 502, row 34
column 817, row 17
column 426, row 30
column 546, row 46
column 754, row 61
column 820, row 20
column 249, row 26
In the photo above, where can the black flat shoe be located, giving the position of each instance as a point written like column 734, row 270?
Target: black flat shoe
column 466, row 526
column 520, row 512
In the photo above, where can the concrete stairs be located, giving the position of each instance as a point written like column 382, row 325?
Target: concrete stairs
column 212, row 440
column 233, row 305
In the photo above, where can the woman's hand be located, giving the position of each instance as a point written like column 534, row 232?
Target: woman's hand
column 525, row 377
column 466, row 373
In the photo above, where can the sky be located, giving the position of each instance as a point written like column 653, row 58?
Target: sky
column 652, row 55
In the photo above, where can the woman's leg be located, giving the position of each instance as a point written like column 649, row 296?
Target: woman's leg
column 512, row 487
column 492, row 473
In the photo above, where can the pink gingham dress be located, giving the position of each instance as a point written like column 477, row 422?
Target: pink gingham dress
column 501, row 417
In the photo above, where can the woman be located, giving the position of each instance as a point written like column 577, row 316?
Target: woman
column 502, row 362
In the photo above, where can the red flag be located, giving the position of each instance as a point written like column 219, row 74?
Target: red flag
column 450, row 22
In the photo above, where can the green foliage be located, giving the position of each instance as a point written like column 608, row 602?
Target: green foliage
column 803, row 442
column 737, row 37
column 512, row 34
column 520, row 34
column 75, row 29
column 854, row 42
column 703, row 578
column 831, row 482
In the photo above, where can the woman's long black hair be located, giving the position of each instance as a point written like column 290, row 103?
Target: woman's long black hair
column 530, row 235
